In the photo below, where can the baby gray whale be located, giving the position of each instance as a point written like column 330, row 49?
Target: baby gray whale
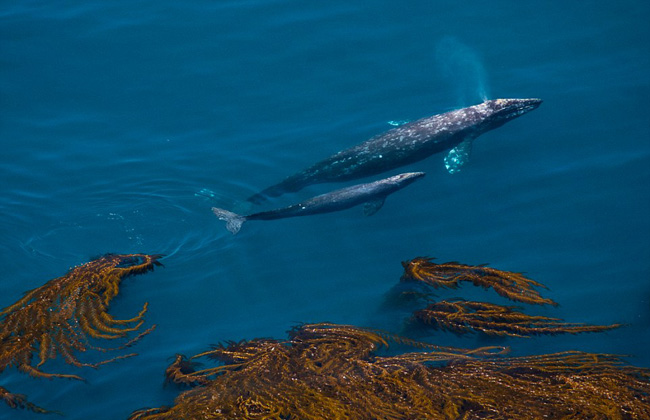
column 372, row 195
column 407, row 144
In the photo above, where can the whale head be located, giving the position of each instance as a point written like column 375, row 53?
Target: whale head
column 497, row 112
column 406, row 178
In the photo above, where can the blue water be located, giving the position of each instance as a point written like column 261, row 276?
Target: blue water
column 122, row 123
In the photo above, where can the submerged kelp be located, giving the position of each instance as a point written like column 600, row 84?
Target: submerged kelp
column 462, row 316
column 60, row 317
column 20, row 401
column 513, row 286
column 327, row 371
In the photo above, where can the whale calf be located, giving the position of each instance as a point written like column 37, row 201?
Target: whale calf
column 372, row 195
column 407, row 144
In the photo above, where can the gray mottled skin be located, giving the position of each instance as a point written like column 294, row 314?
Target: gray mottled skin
column 404, row 145
column 373, row 194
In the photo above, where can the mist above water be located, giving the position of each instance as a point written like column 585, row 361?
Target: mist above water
column 463, row 70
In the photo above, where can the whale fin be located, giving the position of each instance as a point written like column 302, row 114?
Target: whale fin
column 233, row 220
column 372, row 207
column 458, row 156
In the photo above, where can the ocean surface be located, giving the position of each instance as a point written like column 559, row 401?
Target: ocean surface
column 123, row 123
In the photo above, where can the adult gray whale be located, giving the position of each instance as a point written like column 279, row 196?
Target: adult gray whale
column 372, row 194
column 407, row 144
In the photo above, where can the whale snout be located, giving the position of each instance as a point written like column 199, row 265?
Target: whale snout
column 411, row 175
column 502, row 110
column 529, row 104
column 408, row 177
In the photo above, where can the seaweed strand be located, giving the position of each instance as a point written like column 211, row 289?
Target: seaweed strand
column 460, row 316
column 513, row 286
column 62, row 316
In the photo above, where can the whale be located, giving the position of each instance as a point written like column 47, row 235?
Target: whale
column 407, row 144
column 372, row 195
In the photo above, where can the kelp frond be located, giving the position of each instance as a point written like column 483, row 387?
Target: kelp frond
column 59, row 318
column 320, row 341
column 513, row 286
column 572, row 384
column 20, row 401
column 183, row 372
column 461, row 317
column 327, row 371
column 294, row 378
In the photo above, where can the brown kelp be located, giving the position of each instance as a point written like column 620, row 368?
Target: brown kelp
column 60, row 317
column 513, row 286
column 566, row 385
column 20, row 401
column 460, row 316
column 334, row 372
column 342, row 341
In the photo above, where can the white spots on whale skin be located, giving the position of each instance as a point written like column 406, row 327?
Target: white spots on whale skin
column 405, row 140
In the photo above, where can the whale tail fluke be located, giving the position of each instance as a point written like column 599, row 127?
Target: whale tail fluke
column 233, row 220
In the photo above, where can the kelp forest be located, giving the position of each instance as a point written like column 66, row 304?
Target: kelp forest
column 331, row 371
column 328, row 371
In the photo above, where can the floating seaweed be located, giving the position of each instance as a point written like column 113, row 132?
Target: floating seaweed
column 513, row 286
column 462, row 316
column 20, row 401
column 60, row 317
column 183, row 372
column 564, row 385
column 334, row 372
column 342, row 341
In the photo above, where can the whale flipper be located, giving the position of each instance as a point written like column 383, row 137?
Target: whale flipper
column 458, row 156
column 372, row 207
column 233, row 220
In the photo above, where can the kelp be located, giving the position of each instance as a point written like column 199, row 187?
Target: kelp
column 513, row 286
column 565, row 385
column 327, row 371
column 460, row 316
column 20, row 401
column 61, row 317
column 342, row 341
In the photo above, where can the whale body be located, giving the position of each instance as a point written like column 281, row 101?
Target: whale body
column 407, row 144
column 371, row 194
